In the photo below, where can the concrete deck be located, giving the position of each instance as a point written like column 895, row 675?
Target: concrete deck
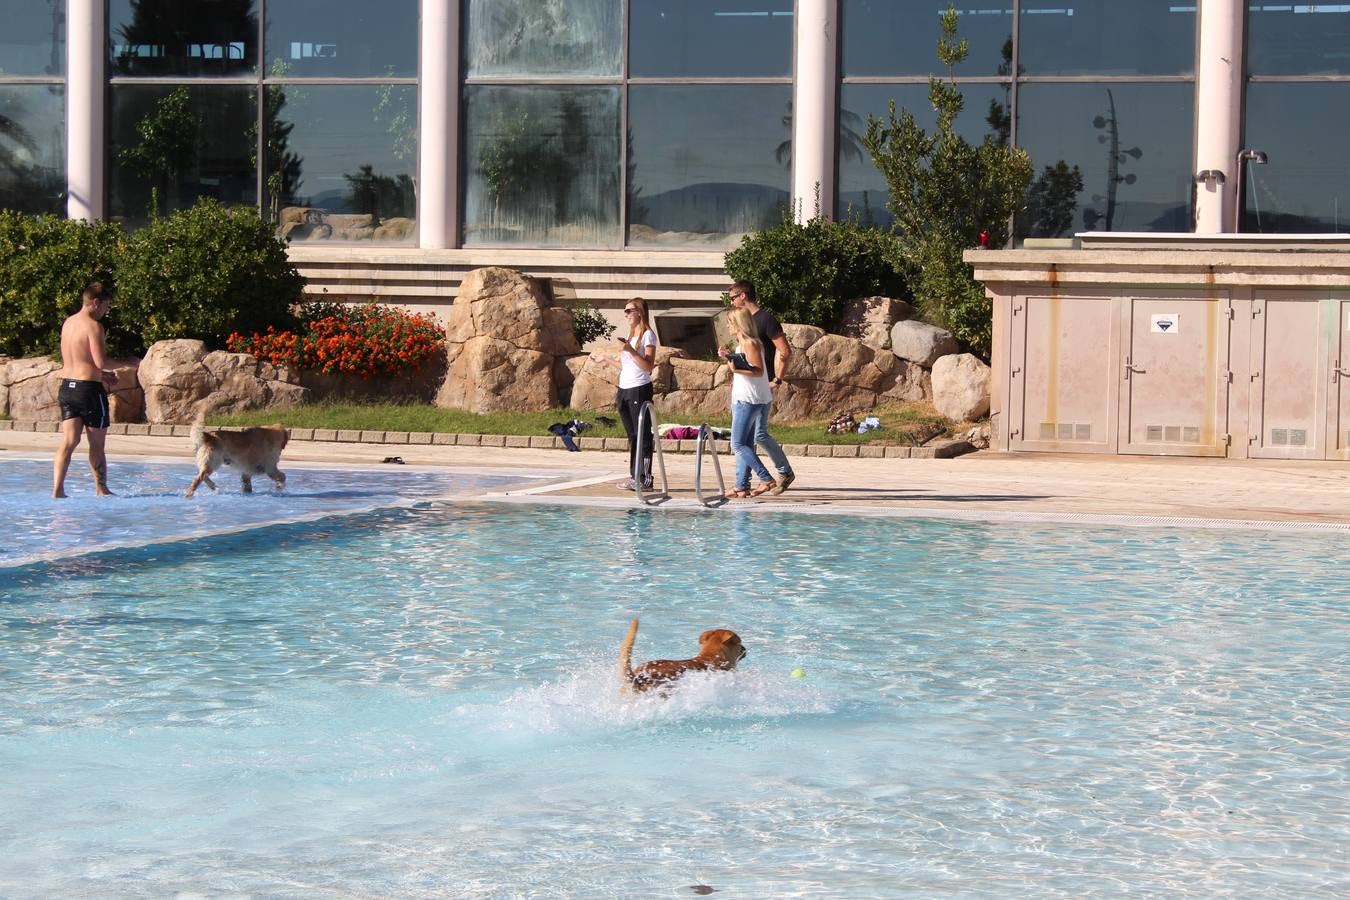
column 982, row 486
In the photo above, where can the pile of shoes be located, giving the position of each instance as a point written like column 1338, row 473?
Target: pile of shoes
column 842, row 424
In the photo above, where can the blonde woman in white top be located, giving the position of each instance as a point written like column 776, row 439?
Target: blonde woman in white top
column 637, row 358
column 750, row 396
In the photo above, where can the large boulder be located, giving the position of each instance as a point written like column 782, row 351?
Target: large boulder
column 870, row 319
column 177, row 375
column 921, row 343
column 28, row 390
column 961, row 387
column 597, row 381
column 502, row 339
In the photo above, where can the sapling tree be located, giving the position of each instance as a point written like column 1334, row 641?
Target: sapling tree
column 947, row 195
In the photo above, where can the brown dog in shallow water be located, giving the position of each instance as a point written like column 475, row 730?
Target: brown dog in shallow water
column 719, row 649
column 249, row 451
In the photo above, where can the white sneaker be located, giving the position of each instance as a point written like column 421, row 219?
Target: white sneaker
column 625, row 485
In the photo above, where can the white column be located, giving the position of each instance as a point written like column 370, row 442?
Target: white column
column 85, row 50
column 813, row 107
column 438, row 125
column 1218, row 114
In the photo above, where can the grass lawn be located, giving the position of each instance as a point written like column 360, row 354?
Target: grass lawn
column 901, row 423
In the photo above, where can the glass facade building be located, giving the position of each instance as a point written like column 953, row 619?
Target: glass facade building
column 661, row 124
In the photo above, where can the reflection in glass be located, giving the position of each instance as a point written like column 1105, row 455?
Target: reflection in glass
column 1107, row 37
column 542, row 166
column 692, row 38
column 1148, row 187
column 899, row 37
column 342, row 161
column 33, row 38
column 306, row 38
column 707, row 163
column 1298, row 39
column 173, row 37
column 32, row 148
column 1304, row 187
column 529, row 38
column 172, row 144
column 862, row 190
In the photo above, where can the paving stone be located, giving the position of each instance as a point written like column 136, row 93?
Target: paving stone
column 138, row 429
column 7, row 425
column 372, row 437
column 396, row 437
column 870, row 451
column 349, row 437
column 897, row 452
column 325, row 434
column 844, row 451
column 161, row 431
column 444, row 439
column 493, row 440
column 420, row 437
column 302, row 434
column 469, row 440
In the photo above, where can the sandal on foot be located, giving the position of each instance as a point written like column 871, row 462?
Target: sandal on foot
column 738, row 494
column 763, row 488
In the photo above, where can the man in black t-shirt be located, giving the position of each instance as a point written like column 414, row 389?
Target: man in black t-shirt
column 777, row 352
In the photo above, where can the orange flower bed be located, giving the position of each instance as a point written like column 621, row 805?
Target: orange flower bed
column 370, row 341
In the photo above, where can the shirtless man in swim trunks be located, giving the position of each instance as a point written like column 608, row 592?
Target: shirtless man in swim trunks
column 84, row 389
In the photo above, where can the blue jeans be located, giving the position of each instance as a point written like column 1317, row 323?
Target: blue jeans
column 765, row 440
column 743, row 419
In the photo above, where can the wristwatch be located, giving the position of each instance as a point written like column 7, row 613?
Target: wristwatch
column 776, row 380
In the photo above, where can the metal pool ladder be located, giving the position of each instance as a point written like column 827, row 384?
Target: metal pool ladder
column 707, row 442
column 647, row 416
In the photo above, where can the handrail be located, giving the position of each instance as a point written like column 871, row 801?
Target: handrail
column 705, row 439
column 647, row 414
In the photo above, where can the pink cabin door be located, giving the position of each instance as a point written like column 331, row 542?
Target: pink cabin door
column 1174, row 377
column 1062, row 381
column 1287, row 398
column 1338, row 381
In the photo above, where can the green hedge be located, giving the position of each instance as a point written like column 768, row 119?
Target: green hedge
column 805, row 272
column 201, row 273
column 204, row 272
column 45, row 262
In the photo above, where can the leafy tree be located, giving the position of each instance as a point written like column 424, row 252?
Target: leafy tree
column 168, row 143
column 946, row 196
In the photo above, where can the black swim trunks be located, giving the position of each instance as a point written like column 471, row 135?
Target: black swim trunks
column 84, row 400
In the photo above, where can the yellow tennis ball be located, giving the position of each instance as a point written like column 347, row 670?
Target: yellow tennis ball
column 798, row 673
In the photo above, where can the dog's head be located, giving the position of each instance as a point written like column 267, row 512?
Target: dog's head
column 722, row 646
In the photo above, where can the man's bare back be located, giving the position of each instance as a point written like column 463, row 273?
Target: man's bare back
column 82, row 347
column 83, row 395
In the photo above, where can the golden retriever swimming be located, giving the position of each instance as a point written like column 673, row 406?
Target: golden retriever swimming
column 249, row 451
column 719, row 649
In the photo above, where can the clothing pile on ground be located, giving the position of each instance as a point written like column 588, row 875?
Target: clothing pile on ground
column 871, row 423
column 567, row 431
column 674, row 432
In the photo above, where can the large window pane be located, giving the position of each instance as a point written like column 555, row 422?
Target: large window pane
column 1107, row 37
column 33, row 37
column 1304, row 186
column 542, row 166
column 342, row 162
column 690, row 38
column 899, row 37
column 175, row 37
column 1298, row 39
column 1148, row 126
column 707, row 163
column 32, row 148
column 529, row 38
column 862, row 190
column 353, row 38
column 180, row 143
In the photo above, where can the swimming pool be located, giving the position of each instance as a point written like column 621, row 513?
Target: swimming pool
column 420, row 702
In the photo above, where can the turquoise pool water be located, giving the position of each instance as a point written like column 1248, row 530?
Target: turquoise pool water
column 421, row 702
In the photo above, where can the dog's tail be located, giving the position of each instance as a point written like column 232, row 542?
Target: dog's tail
column 208, row 403
column 626, row 658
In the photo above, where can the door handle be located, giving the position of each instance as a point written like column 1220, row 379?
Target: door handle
column 1132, row 368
